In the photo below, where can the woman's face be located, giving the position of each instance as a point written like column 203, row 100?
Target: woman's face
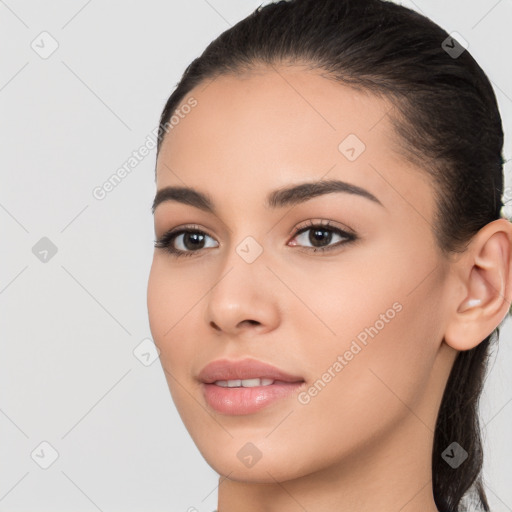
column 359, row 325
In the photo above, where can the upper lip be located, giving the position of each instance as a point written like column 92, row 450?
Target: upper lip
column 224, row 369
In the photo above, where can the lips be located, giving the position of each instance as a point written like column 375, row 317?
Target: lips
column 223, row 385
column 224, row 370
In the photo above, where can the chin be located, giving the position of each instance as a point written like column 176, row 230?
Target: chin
column 241, row 462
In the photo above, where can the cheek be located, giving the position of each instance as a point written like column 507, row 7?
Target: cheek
column 172, row 295
column 375, row 338
column 366, row 395
column 170, row 305
column 170, row 301
column 158, row 302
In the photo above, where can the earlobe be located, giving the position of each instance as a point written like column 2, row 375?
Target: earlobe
column 485, row 274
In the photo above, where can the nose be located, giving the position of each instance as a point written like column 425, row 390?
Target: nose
column 244, row 298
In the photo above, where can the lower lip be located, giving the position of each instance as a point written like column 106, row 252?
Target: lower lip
column 237, row 401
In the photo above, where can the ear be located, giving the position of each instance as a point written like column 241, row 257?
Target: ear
column 483, row 280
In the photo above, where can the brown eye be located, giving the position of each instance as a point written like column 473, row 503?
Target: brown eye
column 183, row 242
column 321, row 237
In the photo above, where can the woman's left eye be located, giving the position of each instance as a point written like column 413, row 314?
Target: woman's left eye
column 322, row 234
column 192, row 240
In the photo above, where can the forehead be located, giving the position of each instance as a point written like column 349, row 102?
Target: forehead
column 288, row 102
column 277, row 125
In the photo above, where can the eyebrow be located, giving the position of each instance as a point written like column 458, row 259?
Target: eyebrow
column 282, row 197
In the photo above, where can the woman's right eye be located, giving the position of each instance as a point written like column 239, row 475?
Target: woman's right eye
column 183, row 241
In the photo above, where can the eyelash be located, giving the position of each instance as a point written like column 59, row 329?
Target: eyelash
column 166, row 240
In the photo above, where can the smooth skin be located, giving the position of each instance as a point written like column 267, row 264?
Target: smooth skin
column 364, row 442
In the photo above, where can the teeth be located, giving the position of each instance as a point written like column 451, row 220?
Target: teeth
column 245, row 383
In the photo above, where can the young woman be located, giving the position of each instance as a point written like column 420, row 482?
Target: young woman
column 331, row 261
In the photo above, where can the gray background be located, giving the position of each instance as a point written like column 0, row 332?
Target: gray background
column 70, row 325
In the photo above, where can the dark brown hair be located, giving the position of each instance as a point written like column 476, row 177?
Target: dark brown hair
column 446, row 114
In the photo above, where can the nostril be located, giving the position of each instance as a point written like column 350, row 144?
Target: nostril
column 252, row 322
column 215, row 326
